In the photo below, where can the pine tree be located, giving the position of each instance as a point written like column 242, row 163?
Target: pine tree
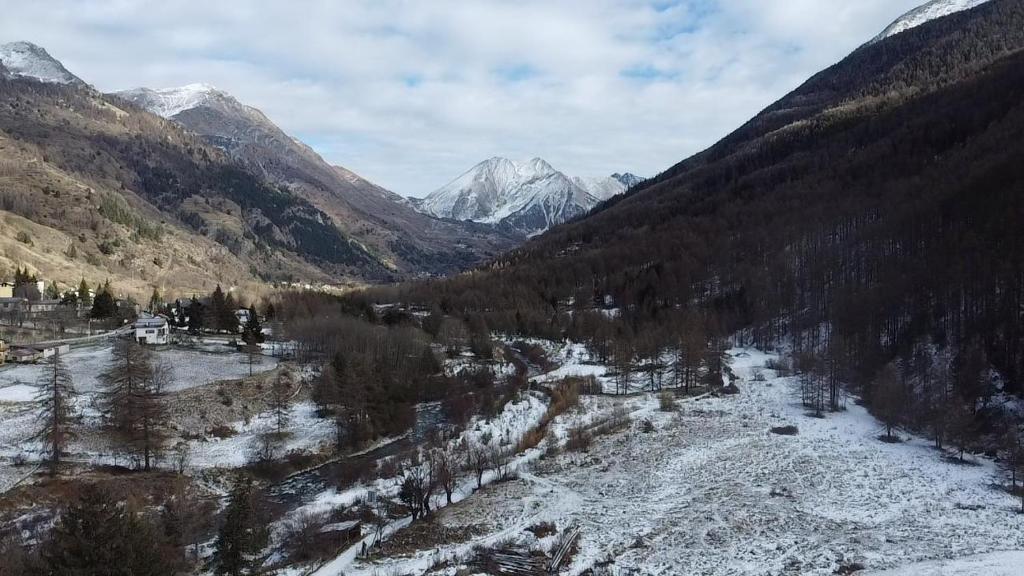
column 104, row 306
column 228, row 320
column 253, row 330
column 215, row 311
column 243, row 534
column 196, row 316
column 55, row 394
column 98, row 535
column 84, row 299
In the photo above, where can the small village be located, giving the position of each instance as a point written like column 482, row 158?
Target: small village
column 37, row 320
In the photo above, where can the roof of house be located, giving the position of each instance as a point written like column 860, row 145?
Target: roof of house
column 155, row 322
column 13, row 299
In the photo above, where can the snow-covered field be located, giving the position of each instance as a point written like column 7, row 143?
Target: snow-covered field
column 308, row 433
column 712, row 491
column 190, row 368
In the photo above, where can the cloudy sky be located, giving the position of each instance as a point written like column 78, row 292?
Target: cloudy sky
column 412, row 93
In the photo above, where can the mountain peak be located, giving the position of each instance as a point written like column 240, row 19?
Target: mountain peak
column 529, row 196
column 169, row 102
column 627, row 179
column 924, row 13
column 27, row 60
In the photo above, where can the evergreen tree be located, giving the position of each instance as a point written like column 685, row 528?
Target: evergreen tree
column 252, row 333
column 69, row 298
column 228, row 319
column 99, row 536
column 55, row 394
column 83, row 294
column 196, row 316
column 215, row 310
column 104, row 306
column 52, row 292
column 243, row 534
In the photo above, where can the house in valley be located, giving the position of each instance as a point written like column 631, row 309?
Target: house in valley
column 151, row 330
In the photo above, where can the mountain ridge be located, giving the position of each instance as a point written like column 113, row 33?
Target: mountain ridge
column 27, row 60
column 405, row 241
column 925, row 13
column 530, row 196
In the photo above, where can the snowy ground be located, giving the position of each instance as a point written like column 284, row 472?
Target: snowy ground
column 190, row 368
column 308, row 433
column 712, row 491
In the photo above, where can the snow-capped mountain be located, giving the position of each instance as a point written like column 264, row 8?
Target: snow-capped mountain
column 169, row 102
column 598, row 187
column 528, row 196
column 924, row 13
column 407, row 240
column 26, row 60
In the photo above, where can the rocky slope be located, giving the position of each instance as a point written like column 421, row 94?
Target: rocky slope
column 93, row 187
column 405, row 241
column 26, row 60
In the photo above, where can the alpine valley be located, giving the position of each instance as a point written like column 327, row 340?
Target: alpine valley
column 795, row 349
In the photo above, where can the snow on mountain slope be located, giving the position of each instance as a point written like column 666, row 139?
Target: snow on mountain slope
column 924, row 13
column 406, row 240
column 600, row 188
column 528, row 196
column 27, row 60
column 169, row 102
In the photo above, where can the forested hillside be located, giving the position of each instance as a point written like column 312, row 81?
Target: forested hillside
column 112, row 190
column 872, row 216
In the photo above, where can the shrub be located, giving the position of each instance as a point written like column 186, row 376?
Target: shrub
column 24, row 238
column 222, row 431
column 667, row 401
column 579, row 438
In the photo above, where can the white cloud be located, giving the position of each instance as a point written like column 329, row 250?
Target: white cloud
column 412, row 93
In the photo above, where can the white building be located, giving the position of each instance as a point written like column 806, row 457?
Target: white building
column 151, row 330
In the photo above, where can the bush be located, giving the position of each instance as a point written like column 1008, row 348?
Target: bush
column 785, row 430
column 222, row 431
column 24, row 238
column 779, row 365
column 579, row 438
column 667, row 401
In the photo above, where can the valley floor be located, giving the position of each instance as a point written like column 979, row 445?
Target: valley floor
column 712, row 491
